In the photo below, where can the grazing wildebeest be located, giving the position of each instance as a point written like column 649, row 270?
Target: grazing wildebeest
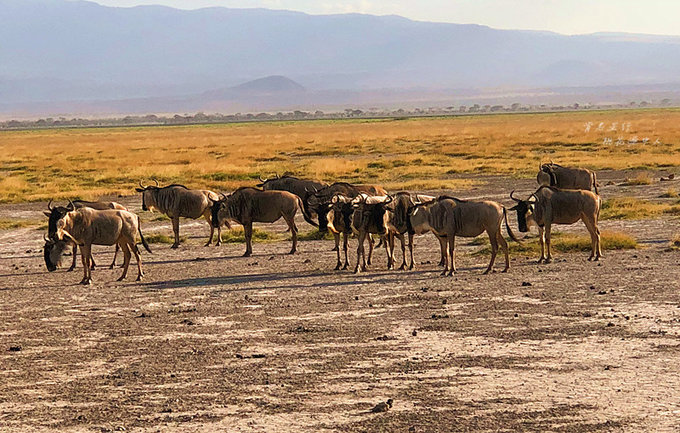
column 247, row 205
column 548, row 206
column 57, row 212
column 177, row 201
column 370, row 217
column 317, row 201
column 299, row 187
column 340, row 222
column 449, row 217
column 566, row 178
column 87, row 227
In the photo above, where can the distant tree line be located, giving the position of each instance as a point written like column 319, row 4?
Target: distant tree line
column 201, row 118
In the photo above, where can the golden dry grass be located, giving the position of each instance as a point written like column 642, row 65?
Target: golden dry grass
column 568, row 242
column 424, row 153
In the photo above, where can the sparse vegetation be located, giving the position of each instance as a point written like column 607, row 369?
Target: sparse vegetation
column 621, row 208
column 567, row 242
column 670, row 193
column 237, row 235
column 314, row 235
column 159, row 238
column 419, row 153
column 640, row 179
column 16, row 223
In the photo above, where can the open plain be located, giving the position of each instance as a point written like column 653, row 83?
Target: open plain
column 211, row 341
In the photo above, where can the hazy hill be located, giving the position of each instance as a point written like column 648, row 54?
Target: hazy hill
column 57, row 50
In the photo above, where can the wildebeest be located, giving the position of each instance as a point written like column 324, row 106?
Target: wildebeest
column 317, row 201
column 247, row 205
column 340, row 222
column 566, row 178
column 449, row 217
column 87, row 227
column 548, row 206
column 299, row 187
column 370, row 217
column 177, row 201
column 57, row 212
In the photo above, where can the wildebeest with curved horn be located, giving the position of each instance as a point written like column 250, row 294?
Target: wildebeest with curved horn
column 87, row 227
column 299, row 187
column 370, row 217
column 248, row 205
column 177, row 201
column 449, row 217
column 340, row 222
column 55, row 213
column 318, row 201
column 548, row 206
column 566, row 177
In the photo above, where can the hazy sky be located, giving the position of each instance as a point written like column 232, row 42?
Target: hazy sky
column 563, row 16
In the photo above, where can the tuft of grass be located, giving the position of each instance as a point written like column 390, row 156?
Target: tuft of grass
column 237, row 235
column 314, row 235
column 623, row 208
column 670, row 193
column 159, row 238
column 11, row 223
column 640, row 179
column 674, row 243
column 567, row 243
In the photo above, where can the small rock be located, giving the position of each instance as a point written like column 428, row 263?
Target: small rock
column 443, row 301
column 356, row 298
column 414, row 333
column 424, row 289
column 610, row 324
column 271, row 257
column 306, row 261
column 15, row 348
column 602, row 292
column 383, row 406
column 516, row 315
column 526, row 284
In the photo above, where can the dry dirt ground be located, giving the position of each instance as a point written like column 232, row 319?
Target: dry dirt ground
column 210, row 341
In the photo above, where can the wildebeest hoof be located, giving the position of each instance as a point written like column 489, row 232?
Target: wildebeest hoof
column 539, row 261
column 86, row 281
column 443, row 273
column 486, row 272
column 505, row 270
column 70, row 269
column 139, row 278
column 122, row 277
column 174, row 246
column 247, row 254
column 548, row 260
column 292, row 251
column 111, row 267
column 335, row 249
column 207, row 245
column 402, row 267
column 345, row 267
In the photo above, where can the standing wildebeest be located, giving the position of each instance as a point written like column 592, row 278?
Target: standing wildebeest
column 566, row 178
column 370, row 217
column 58, row 212
column 449, row 217
column 247, row 205
column 178, row 201
column 87, row 226
column 340, row 222
column 318, row 201
column 299, row 187
column 548, row 206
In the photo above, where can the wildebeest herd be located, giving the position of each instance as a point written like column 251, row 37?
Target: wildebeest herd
column 564, row 196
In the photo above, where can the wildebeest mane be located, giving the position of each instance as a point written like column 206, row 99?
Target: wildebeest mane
column 448, row 197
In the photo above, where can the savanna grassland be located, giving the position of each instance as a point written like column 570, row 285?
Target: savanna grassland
column 416, row 154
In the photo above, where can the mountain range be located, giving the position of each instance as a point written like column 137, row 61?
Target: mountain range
column 57, row 52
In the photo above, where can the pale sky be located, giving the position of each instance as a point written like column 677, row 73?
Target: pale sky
column 562, row 16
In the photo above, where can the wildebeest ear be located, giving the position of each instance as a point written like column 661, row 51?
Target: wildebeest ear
column 47, row 214
column 514, row 207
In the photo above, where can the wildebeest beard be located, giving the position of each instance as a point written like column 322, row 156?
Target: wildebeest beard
column 53, row 253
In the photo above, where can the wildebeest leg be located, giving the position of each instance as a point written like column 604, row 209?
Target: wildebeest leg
column 504, row 247
column 371, row 242
column 410, row 250
column 452, row 252
column 443, row 244
column 135, row 250
column 345, row 239
column 595, row 252
column 541, row 242
column 75, row 257
column 126, row 260
column 547, row 243
column 248, row 232
column 390, row 242
column 86, row 257
column 390, row 259
column 361, row 254
column 115, row 255
column 208, row 217
column 493, row 240
column 336, row 237
column 442, row 247
column 403, row 252
column 294, row 231
column 175, row 229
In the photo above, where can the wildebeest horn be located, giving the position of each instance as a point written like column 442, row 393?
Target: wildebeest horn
column 224, row 196
column 277, row 176
column 259, row 176
column 49, row 205
column 157, row 183
column 513, row 197
column 45, row 237
column 71, row 205
column 141, row 185
column 388, row 200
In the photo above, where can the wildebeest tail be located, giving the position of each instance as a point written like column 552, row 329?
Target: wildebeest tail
column 594, row 176
column 139, row 229
column 507, row 227
column 306, row 215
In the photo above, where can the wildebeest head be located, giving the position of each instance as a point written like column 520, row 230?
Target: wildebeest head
column 147, row 194
column 219, row 212
column 53, row 252
column 546, row 174
column 264, row 182
column 525, row 209
column 339, row 214
column 55, row 214
column 371, row 214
